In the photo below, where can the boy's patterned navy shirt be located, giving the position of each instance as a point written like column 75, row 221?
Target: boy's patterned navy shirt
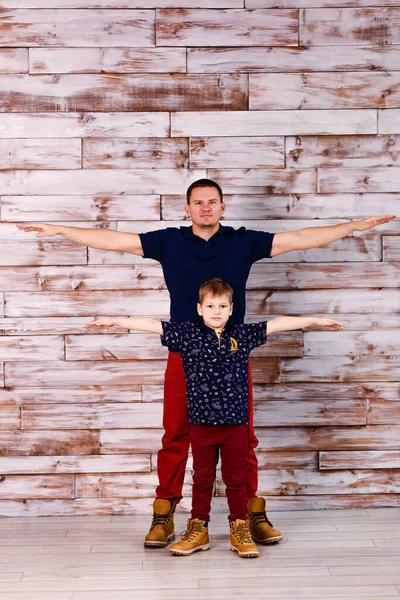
column 216, row 369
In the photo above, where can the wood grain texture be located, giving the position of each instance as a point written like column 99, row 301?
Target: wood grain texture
column 13, row 60
column 124, row 3
column 389, row 120
column 384, row 411
column 219, row 153
column 132, row 463
column 367, row 459
column 106, row 60
column 350, row 26
column 10, row 417
column 349, row 343
column 391, row 248
column 77, row 27
column 40, row 154
column 118, row 394
column 143, row 153
column 36, row 486
column 229, row 27
column 310, row 413
column 49, row 443
column 42, row 252
column 120, row 93
column 31, row 348
column 378, row 179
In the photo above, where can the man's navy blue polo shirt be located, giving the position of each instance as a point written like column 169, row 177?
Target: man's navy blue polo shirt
column 188, row 261
column 216, row 369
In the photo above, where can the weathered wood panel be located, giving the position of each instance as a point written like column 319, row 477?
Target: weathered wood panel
column 10, row 417
column 308, row 3
column 378, row 179
column 121, row 441
column 81, row 304
column 354, row 321
column 354, row 368
column 271, row 181
column 310, row 413
column 81, row 374
column 384, row 411
column 350, row 26
column 324, row 90
column 84, row 416
column 312, row 391
column 389, row 120
column 119, row 93
column 77, row 27
column 243, row 152
column 106, row 60
column 13, row 60
column 310, row 122
column 349, row 343
column 293, row 59
column 132, row 393
column 49, row 443
column 391, row 248
column 72, row 125
column 75, row 208
column 36, row 486
column 148, row 347
column 367, row 459
column 338, row 151
column 31, row 348
column 229, row 27
column 125, row 3
column 42, row 252
column 371, row 437
column 142, row 153
column 291, row 206
column 35, row 279
column 99, row 182
column 129, row 463
column 40, row 154
column 120, row 486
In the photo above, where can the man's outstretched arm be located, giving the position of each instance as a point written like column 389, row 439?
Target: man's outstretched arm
column 103, row 239
column 314, row 237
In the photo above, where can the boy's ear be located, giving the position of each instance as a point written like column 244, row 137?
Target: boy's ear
column 231, row 311
column 200, row 312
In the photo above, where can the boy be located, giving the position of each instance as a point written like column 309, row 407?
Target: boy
column 215, row 359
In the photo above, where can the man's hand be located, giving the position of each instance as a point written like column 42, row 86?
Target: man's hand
column 43, row 229
column 320, row 323
column 370, row 222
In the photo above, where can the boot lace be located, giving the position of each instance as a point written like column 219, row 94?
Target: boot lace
column 260, row 517
column 242, row 532
column 192, row 529
column 162, row 520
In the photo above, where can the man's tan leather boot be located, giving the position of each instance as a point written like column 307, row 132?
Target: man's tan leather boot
column 162, row 527
column 261, row 529
column 194, row 538
column 241, row 541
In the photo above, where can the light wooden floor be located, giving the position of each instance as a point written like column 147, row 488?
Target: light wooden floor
column 332, row 554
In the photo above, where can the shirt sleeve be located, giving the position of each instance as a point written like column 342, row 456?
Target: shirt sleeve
column 172, row 335
column 153, row 243
column 255, row 334
column 260, row 243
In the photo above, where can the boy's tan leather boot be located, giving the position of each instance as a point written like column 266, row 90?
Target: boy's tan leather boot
column 241, row 541
column 162, row 527
column 194, row 538
column 261, row 529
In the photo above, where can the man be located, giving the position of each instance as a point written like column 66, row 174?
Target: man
column 189, row 256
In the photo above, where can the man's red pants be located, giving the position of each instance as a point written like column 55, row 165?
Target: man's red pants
column 172, row 457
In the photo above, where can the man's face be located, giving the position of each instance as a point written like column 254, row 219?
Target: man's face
column 215, row 310
column 205, row 208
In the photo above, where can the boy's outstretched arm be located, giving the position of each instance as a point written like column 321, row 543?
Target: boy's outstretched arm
column 314, row 237
column 291, row 323
column 102, row 239
column 136, row 323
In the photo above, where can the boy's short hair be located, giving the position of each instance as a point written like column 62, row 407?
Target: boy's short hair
column 215, row 287
column 204, row 183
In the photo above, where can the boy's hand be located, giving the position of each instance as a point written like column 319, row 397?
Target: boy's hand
column 99, row 324
column 43, row 229
column 320, row 323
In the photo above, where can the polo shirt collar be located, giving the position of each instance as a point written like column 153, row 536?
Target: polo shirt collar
column 188, row 232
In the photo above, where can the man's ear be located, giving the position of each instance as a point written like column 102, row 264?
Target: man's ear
column 187, row 210
column 200, row 312
column 223, row 207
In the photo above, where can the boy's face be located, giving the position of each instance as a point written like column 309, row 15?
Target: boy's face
column 215, row 310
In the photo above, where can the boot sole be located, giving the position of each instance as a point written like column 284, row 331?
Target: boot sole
column 156, row 544
column 188, row 552
column 272, row 540
column 245, row 554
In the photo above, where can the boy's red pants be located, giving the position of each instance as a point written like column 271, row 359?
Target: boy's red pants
column 173, row 455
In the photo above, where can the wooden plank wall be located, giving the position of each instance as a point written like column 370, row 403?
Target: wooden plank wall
column 108, row 110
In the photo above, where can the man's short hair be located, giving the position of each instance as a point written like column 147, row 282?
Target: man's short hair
column 204, row 183
column 215, row 287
